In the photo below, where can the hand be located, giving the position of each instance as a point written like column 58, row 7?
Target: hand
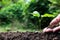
column 47, row 30
column 55, row 21
column 56, row 29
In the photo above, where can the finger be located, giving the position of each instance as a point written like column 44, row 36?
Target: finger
column 56, row 29
column 55, row 20
column 47, row 30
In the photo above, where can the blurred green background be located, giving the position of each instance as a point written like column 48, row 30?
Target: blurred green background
column 27, row 15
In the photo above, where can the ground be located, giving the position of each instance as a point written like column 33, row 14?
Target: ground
column 29, row 36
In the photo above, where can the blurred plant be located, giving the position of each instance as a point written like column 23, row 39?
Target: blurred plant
column 32, row 13
column 12, row 12
column 36, row 14
column 47, row 15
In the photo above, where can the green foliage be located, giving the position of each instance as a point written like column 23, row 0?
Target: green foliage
column 12, row 12
column 32, row 13
column 39, row 5
column 48, row 15
column 36, row 14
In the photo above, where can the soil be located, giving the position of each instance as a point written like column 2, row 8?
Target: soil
column 29, row 36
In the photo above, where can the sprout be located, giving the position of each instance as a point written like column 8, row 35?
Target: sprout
column 35, row 13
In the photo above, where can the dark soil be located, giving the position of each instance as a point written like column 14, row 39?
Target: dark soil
column 29, row 36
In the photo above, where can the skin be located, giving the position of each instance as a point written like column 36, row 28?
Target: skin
column 47, row 30
column 53, row 26
column 55, row 21
column 56, row 29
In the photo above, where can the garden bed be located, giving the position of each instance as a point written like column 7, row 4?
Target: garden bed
column 29, row 36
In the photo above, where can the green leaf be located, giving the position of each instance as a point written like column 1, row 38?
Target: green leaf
column 47, row 15
column 35, row 13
